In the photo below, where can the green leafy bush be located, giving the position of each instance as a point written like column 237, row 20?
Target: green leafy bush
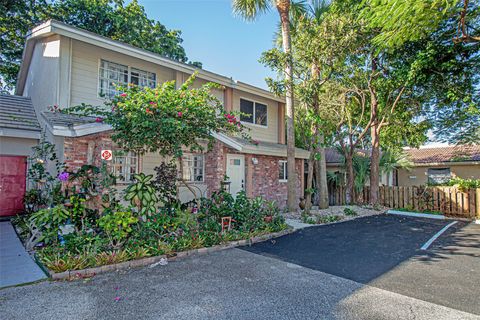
column 328, row 219
column 464, row 184
column 117, row 226
column 350, row 212
column 247, row 214
column 48, row 221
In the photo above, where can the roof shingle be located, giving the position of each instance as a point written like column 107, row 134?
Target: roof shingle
column 17, row 112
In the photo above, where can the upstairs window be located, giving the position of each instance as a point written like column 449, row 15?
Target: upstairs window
column 253, row 112
column 438, row 176
column 282, row 171
column 113, row 74
column 142, row 78
column 193, row 167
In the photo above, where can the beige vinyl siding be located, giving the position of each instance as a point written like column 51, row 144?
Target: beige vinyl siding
column 42, row 79
column 257, row 132
column 151, row 160
column 85, row 64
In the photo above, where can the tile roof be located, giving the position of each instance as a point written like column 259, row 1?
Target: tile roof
column 17, row 112
column 445, row 154
column 66, row 120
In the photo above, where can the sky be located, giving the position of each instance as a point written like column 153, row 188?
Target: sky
column 211, row 34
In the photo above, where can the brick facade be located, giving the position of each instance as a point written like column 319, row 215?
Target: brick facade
column 261, row 179
column 85, row 150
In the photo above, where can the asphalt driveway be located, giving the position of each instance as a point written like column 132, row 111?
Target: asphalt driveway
column 384, row 251
column 266, row 283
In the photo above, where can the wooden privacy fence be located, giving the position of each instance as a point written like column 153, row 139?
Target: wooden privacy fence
column 450, row 201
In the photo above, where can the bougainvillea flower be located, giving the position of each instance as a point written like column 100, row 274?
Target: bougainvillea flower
column 123, row 94
column 117, row 299
column 99, row 119
column 180, row 114
column 63, row 176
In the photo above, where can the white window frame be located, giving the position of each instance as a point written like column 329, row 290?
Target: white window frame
column 129, row 76
column 100, row 78
column 187, row 159
column 128, row 164
column 285, row 170
column 253, row 115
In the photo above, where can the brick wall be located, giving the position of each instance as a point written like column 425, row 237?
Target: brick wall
column 265, row 180
column 85, row 150
column 260, row 179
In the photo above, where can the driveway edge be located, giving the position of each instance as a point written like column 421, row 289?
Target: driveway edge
column 90, row 272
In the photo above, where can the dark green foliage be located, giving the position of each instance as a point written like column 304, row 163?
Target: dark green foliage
column 126, row 22
column 328, row 219
column 247, row 214
column 165, row 182
column 119, row 236
column 350, row 212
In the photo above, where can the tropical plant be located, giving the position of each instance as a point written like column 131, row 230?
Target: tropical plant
column 250, row 9
column 142, row 194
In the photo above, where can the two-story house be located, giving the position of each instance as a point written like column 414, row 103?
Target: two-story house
column 66, row 66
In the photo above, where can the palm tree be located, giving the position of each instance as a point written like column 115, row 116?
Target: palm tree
column 250, row 9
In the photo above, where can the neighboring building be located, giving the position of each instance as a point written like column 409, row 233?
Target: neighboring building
column 19, row 132
column 439, row 164
column 66, row 66
column 430, row 165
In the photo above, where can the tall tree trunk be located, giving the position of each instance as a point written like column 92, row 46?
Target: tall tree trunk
column 322, row 186
column 375, row 138
column 283, row 7
column 308, row 193
column 375, row 163
column 349, row 192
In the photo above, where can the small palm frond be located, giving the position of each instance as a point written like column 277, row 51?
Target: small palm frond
column 394, row 159
column 250, row 9
column 317, row 9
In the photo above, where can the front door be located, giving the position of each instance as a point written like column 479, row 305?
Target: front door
column 236, row 172
column 13, row 171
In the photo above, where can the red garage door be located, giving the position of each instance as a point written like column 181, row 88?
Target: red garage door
column 12, row 184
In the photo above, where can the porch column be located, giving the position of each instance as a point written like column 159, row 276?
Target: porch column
column 228, row 99
column 249, row 175
column 281, row 123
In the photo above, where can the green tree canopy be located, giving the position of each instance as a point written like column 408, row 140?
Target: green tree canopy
column 128, row 23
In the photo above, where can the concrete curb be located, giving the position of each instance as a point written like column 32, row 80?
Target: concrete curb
column 90, row 272
column 416, row 214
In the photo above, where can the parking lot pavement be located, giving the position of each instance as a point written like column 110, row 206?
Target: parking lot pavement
column 384, row 252
column 230, row 284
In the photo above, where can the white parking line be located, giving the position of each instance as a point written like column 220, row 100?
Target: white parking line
column 438, row 234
